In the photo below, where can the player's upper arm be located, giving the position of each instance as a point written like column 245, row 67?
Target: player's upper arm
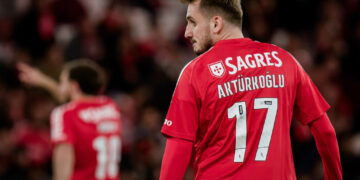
column 63, row 161
column 182, row 117
column 309, row 103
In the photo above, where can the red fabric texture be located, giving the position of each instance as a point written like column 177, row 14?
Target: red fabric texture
column 176, row 159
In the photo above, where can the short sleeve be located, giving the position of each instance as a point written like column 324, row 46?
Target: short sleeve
column 182, row 117
column 61, row 127
column 309, row 103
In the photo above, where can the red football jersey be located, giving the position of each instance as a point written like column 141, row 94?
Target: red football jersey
column 93, row 128
column 236, row 103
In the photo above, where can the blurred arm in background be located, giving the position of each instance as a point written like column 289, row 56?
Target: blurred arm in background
column 63, row 161
column 327, row 146
column 34, row 77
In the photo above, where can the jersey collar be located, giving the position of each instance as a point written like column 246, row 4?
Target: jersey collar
column 233, row 41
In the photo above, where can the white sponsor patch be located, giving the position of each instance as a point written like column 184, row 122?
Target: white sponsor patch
column 217, row 69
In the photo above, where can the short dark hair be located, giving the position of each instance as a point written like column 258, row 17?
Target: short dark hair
column 90, row 76
column 230, row 9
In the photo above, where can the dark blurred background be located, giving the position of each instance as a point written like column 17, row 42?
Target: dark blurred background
column 140, row 43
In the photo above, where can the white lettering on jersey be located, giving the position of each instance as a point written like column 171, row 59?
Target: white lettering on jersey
column 168, row 122
column 255, row 83
column 242, row 84
column 279, row 62
column 98, row 114
column 221, row 92
column 255, row 60
column 259, row 59
column 241, row 63
column 107, row 127
column 234, row 84
column 228, row 89
column 248, row 84
column 268, row 59
column 247, row 60
column 233, row 67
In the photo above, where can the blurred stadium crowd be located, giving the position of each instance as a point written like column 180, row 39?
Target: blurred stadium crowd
column 140, row 43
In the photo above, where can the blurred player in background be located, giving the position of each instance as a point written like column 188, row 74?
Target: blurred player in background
column 234, row 104
column 86, row 131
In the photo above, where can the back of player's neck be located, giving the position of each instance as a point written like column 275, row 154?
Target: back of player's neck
column 82, row 97
column 232, row 33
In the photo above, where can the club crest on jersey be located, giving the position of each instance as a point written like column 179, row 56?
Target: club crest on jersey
column 217, row 69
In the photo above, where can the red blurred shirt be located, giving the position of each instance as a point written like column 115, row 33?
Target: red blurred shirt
column 93, row 128
column 236, row 103
column 36, row 143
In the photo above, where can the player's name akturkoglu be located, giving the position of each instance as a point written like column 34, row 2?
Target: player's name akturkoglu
column 241, row 84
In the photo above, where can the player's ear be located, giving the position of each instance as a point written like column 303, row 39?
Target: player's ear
column 216, row 24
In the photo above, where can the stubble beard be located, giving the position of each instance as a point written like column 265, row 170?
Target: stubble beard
column 208, row 43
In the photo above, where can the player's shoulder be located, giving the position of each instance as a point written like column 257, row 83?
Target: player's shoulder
column 106, row 100
column 63, row 109
column 188, row 68
column 61, row 114
column 282, row 52
column 269, row 47
column 198, row 62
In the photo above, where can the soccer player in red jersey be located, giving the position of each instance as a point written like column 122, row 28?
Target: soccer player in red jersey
column 86, row 131
column 233, row 105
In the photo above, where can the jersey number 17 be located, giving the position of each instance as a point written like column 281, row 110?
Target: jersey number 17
column 238, row 110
